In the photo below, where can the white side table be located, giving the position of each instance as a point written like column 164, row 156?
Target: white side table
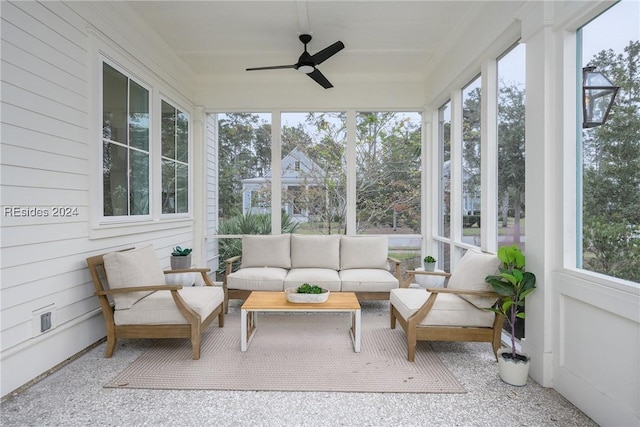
column 184, row 279
column 426, row 281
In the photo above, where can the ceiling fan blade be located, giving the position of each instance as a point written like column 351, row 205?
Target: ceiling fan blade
column 327, row 52
column 275, row 67
column 320, row 78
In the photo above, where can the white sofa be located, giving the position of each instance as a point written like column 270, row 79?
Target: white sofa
column 338, row 263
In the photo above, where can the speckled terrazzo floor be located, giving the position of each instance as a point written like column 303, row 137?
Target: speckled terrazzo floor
column 74, row 396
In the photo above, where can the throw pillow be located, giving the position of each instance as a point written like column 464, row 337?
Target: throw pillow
column 470, row 274
column 137, row 267
column 266, row 251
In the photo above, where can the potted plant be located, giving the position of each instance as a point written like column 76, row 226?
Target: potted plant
column 180, row 258
column 429, row 263
column 513, row 284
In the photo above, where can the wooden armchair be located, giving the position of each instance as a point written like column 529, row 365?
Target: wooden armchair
column 454, row 313
column 144, row 306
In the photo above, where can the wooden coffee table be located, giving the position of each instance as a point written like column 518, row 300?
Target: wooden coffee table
column 277, row 301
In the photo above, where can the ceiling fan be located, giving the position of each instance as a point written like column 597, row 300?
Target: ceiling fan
column 307, row 63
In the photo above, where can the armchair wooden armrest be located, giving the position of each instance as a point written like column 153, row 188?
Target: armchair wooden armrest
column 397, row 269
column 232, row 259
column 228, row 270
column 139, row 289
column 229, row 266
column 188, row 270
column 464, row 292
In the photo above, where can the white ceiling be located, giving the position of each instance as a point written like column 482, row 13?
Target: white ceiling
column 386, row 37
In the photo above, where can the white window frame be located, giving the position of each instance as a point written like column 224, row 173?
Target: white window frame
column 181, row 108
column 102, row 50
column 131, row 76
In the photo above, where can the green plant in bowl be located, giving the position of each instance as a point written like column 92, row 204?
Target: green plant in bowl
column 306, row 288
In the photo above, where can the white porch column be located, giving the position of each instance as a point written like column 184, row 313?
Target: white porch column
column 199, row 181
column 543, row 136
column 429, row 195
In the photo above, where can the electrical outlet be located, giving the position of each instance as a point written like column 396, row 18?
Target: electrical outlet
column 45, row 321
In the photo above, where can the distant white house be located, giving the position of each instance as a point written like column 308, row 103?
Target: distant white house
column 471, row 203
column 298, row 172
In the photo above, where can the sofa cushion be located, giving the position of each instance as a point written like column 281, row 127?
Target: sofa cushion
column 266, row 251
column 367, row 280
column 448, row 310
column 159, row 307
column 126, row 269
column 470, row 274
column 257, row 279
column 315, row 251
column 363, row 252
column 323, row 277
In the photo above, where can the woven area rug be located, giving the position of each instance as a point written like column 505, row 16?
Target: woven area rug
column 293, row 352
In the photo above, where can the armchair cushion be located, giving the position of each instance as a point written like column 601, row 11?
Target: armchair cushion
column 364, row 252
column 266, row 251
column 470, row 274
column 315, row 251
column 159, row 307
column 448, row 309
column 137, row 267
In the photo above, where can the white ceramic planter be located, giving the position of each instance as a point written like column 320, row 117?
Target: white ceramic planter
column 429, row 266
column 514, row 372
column 293, row 296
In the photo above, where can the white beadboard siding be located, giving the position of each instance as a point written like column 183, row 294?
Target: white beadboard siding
column 32, row 158
column 39, row 141
column 40, row 85
column 46, row 159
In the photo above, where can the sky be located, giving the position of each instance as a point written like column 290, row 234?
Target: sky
column 613, row 29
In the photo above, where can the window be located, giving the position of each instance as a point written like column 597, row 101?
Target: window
column 388, row 150
column 609, row 218
column 175, row 160
column 444, row 183
column 244, row 175
column 471, row 190
column 125, row 142
column 511, row 147
column 314, row 172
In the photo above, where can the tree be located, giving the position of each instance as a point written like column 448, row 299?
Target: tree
column 471, row 152
column 388, row 150
column 511, row 155
column 244, row 152
column 611, row 173
column 324, row 193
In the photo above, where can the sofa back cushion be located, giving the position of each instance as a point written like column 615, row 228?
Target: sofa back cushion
column 137, row 267
column 363, row 252
column 470, row 274
column 266, row 251
column 315, row 251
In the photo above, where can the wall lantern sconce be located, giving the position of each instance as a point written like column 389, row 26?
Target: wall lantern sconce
column 598, row 94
